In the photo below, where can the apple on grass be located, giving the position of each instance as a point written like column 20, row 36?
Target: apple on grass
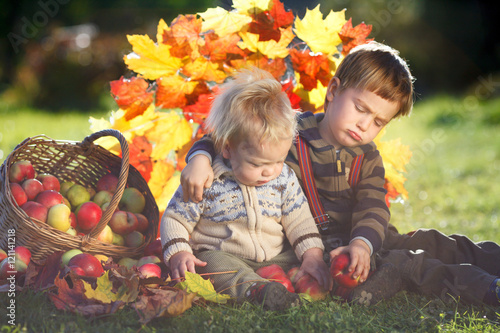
column 32, row 187
column 88, row 215
column 339, row 271
column 20, row 171
column 150, row 270
column 134, row 239
column 77, row 194
column 22, row 253
column 49, row 198
column 132, row 200
column 58, row 217
column 127, row 262
column 123, row 222
column 276, row 273
column 3, row 255
column 35, row 210
column 49, row 182
column 90, row 265
column 20, row 197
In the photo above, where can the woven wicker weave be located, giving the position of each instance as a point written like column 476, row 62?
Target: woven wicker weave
column 82, row 163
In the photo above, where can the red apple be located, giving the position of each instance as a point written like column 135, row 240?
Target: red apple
column 88, row 215
column 339, row 272
column 106, row 235
column 150, row 270
column 102, row 197
column 8, row 268
column 108, row 182
column 134, row 239
column 77, row 270
column 22, row 253
column 3, row 255
column 49, row 198
column 20, row 197
column 32, row 187
column 90, row 265
column 21, row 170
column 292, row 273
column 58, row 217
column 72, row 220
column 132, row 200
column 77, row 194
column 35, row 210
column 306, row 284
column 276, row 273
column 122, row 222
column 143, row 223
column 49, row 182
column 153, row 249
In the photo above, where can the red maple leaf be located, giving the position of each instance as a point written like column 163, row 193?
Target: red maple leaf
column 131, row 95
column 311, row 67
column 139, row 156
column 287, row 86
column 263, row 25
column 352, row 37
column 198, row 112
column 282, row 18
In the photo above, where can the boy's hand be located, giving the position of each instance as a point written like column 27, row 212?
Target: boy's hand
column 196, row 176
column 184, row 261
column 360, row 258
column 313, row 263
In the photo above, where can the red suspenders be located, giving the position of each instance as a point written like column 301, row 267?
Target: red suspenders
column 318, row 212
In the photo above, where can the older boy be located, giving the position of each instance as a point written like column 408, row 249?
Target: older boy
column 372, row 86
column 255, row 204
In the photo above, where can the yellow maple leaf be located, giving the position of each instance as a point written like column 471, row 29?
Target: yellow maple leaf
column 270, row 48
column 317, row 95
column 172, row 131
column 161, row 173
column 223, row 22
column 104, row 293
column 204, row 70
column 250, row 6
column 321, row 35
column 160, row 30
column 149, row 59
column 168, row 190
column 194, row 283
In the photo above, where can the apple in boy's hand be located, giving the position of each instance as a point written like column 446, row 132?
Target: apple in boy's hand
column 49, row 198
column 58, row 217
column 35, row 210
column 339, row 272
column 90, row 265
column 49, row 182
column 307, row 284
column 132, row 200
column 88, row 215
column 32, row 187
column 18, row 193
column 123, row 223
column 108, row 182
column 20, row 171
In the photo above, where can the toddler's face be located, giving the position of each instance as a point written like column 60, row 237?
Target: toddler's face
column 354, row 117
column 254, row 163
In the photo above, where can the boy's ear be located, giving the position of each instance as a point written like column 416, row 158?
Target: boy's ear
column 333, row 86
column 226, row 152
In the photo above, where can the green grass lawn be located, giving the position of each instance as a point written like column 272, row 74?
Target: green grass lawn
column 453, row 186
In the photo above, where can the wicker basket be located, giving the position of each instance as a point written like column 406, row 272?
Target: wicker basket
column 82, row 163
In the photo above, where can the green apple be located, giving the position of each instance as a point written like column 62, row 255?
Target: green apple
column 118, row 239
column 58, row 217
column 68, row 255
column 127, row 262
column 65, row 186
column 132, row 200
column 77, row 194
column 102, row 197
column 71, row 231
column 134, row 239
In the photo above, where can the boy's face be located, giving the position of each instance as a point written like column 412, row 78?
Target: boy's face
column 254, row 163
column 354, row 117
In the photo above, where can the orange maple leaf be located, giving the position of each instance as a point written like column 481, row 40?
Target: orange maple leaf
column 204, row 70
column 184, row 36
column 287, row 86
column 172, row 90
column 352, row 37
column 132, row 95
column 218, row 49
column 312, row 67
column 139, row 156
column 276, row 66
column 282, row 17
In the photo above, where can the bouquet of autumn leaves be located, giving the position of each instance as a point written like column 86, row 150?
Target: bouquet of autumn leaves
column 163, row 105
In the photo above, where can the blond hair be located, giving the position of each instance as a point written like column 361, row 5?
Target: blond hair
column 378, row 68
column 251, row 105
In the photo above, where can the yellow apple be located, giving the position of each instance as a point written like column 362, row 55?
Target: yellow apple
column 106, row 235
column 58, row 217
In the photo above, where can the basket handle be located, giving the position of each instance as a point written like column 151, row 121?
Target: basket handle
column 122, row 178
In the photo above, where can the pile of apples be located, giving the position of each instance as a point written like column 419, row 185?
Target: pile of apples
column 15, row 264
column 76, row 209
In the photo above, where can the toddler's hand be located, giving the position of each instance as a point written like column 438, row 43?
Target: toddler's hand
column 183, row 261
column 196, row 175
column 359, row 253
column 313, row 263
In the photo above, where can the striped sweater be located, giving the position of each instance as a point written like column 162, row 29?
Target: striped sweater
column 359, row 212
column 247, row 221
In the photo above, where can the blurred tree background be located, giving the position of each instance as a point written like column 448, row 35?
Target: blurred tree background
column 61, row 54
